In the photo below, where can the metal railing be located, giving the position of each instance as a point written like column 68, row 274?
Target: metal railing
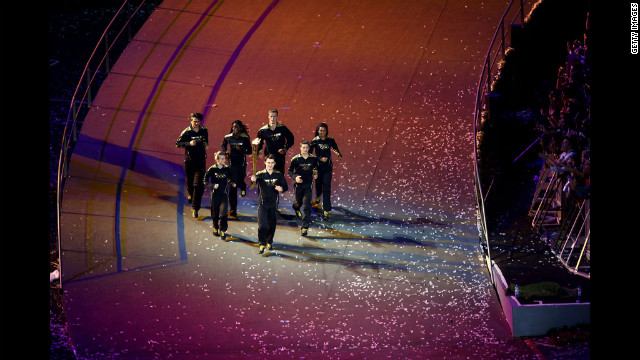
column 502, row 41
column 120, row 29
column 569, row 236
column 572, row 247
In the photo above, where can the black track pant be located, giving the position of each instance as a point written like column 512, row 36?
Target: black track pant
column 219, row 210
column 194, row 172
column 238, row 174
column 266, row 224
column 323, row 186
column 303, row 199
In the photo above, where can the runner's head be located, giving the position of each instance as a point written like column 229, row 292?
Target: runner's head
column 322, row 130
column 304, row 147
column 270, row 162
column 273, row 117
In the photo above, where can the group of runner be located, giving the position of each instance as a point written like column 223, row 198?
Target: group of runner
column 312, row 165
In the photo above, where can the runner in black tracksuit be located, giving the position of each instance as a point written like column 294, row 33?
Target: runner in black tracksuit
column 322, row 144
column 303, row 168
column 239, row 145
column 271, row 183
column 276, row 138
column 195, row 141
column 218, row 178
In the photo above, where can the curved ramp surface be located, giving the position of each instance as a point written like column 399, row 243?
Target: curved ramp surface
column 396, row 271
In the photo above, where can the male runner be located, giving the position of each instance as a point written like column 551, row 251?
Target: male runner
column 195, row 141
column 277, row 139
column 303, row 168
column 271, row 183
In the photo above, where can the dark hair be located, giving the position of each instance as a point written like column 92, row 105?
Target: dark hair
column 303, row 142
column 274, row 111
column 243, row 128
column 270, row 156
column 196, row 115
column 322, row 125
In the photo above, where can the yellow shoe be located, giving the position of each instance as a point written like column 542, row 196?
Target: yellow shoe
column 261, row 249
column 223, row 236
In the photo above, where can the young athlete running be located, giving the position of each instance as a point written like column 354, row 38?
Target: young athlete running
column 271, row 183
column 239, row 145
column 303, row 168
column 218, row 178
column 323, row 146
column 195, row 141
column 276, row 138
